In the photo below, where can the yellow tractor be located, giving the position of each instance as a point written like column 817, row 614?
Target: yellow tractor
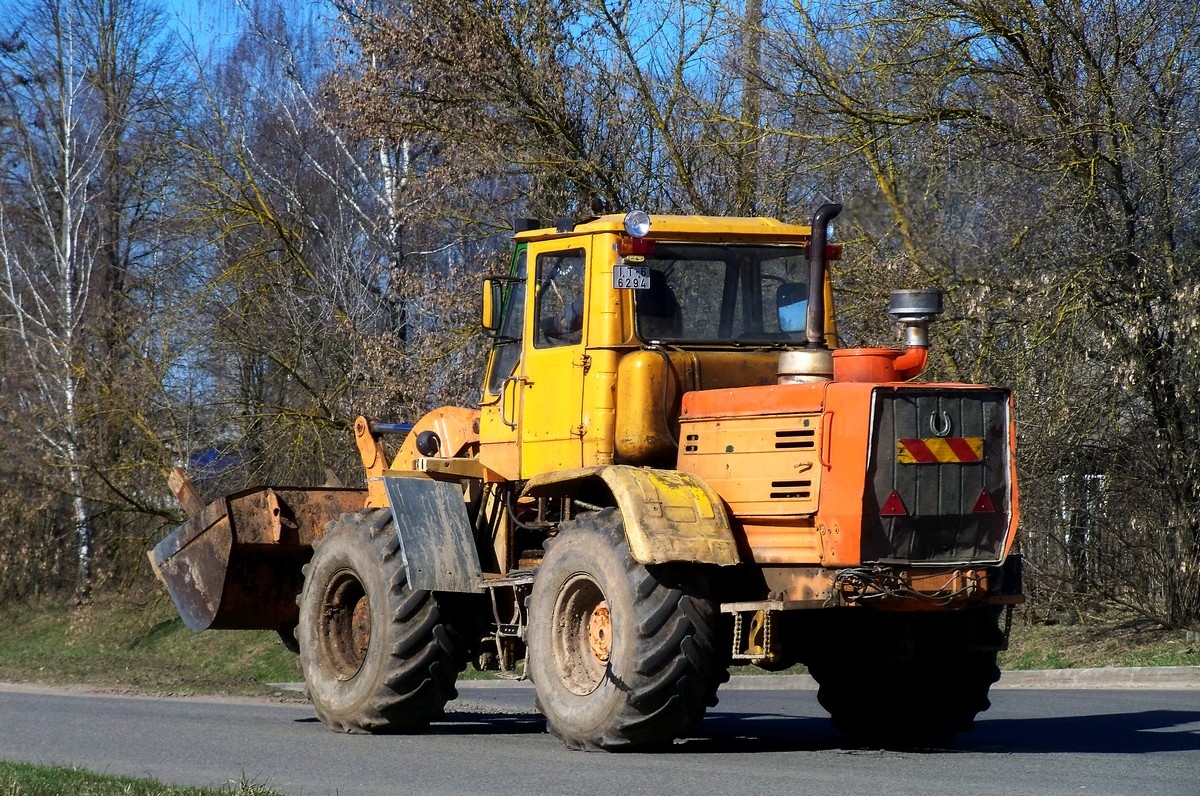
column 672, row 470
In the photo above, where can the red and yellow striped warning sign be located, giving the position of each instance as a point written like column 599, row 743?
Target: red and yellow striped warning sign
column 949, row 450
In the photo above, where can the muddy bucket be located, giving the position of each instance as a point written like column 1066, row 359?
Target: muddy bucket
column 236, row 563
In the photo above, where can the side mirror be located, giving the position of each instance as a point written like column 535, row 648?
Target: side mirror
column 493, row 299
column 791, row 299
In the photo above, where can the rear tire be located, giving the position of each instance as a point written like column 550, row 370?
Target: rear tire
column 623, row 655
column 909, row 680
column 377, row 656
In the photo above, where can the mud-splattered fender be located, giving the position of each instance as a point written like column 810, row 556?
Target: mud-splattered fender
column 668, row 515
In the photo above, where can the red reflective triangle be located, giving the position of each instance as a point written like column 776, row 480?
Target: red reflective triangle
column 984, row 504
column 893, row 506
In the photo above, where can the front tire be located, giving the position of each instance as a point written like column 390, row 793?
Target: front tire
column 623, row 655
column 377, row 655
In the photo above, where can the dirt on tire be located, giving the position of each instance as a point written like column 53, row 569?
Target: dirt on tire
column 377, row 655
column 623, row 655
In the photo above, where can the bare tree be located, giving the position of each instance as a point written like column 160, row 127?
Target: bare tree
column 1032, row 159
column 324, row 283
column 580, row 105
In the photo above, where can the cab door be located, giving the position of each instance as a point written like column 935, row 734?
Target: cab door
column 554, row 362
column 500, row 404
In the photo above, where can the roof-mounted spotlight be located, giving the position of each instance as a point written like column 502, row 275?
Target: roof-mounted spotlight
column 637, row 223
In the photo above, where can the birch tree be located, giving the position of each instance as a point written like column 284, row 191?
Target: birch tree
column 84, row 236
column 49, row 250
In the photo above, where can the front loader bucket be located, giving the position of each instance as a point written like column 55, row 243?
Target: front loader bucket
column 236, row 563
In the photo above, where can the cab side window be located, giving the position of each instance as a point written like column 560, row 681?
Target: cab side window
column 507, row 352
column 559, row 300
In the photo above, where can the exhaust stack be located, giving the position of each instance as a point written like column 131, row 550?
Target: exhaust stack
column 814, row 362
column 815, row 334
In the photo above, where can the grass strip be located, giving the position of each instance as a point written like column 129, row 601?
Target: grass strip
column 25, row 779
column 140, row 645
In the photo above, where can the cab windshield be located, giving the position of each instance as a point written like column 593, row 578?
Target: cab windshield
column 726, row 293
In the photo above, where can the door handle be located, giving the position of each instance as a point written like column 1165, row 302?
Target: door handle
column 504, row 401
column 826, row 439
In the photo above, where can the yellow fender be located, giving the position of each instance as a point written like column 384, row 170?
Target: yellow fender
column 669, row 515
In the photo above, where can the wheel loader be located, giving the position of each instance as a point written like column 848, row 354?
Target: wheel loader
column 672, row 470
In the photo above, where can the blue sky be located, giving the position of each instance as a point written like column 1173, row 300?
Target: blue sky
column 207, row 24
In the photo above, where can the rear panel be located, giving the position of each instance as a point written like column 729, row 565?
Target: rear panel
column 938, row 476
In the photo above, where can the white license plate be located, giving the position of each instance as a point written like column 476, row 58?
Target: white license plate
column 633, row 277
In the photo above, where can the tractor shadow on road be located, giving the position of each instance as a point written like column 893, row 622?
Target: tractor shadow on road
column 467, row 723
column 745, row 733
column 515, row 722
column 1142, row 732
column 1124, row 733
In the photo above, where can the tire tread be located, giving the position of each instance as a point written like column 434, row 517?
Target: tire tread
column 425, row 652
column 676, row 674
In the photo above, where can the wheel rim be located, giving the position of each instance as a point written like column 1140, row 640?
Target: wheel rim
column 600, row 632
column 582, row 628
column 345, row 632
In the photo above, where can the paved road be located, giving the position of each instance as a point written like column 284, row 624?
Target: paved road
column 1031, row 742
